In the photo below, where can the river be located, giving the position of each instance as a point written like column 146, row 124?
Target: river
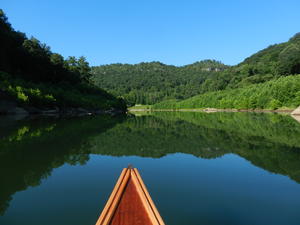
column 200, row 168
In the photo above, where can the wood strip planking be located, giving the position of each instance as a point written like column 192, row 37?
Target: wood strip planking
column 144, row 199
column 130, row 203
column 116, row 200
column 131, row 210
column 108, row 207
column 154, row 209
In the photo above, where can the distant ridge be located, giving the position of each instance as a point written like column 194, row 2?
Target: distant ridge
column 150, row 83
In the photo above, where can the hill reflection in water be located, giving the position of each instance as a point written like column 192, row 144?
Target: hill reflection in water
column 31, row 149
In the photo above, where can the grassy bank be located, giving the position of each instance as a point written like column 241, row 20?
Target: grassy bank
column 281, row 93
column 140, row 108
column 45, row 95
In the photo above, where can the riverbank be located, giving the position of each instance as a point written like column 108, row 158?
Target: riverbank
column 21, row 97
column 13, row 108
column 210, row 110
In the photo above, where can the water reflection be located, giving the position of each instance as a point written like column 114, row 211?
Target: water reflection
column 30, row 150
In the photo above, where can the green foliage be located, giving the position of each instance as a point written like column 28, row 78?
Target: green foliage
column 31, row 149
column 289, row 60
column 140, row 107
column 18, row 92
column 61, row 95
column 270, row 63
column 57, row 59
column 148, row 83
column 36, row 76
column 283, row 92
column 32, row 60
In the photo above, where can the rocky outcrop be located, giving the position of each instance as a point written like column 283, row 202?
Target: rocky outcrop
column 8, row 107
column 296, row 111
column 17, row 110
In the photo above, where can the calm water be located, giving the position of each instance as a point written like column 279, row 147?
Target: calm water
column 218, row 168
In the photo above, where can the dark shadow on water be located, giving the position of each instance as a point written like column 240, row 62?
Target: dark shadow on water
column 31, row 149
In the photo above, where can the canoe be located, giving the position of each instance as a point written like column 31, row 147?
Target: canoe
column 130, row 203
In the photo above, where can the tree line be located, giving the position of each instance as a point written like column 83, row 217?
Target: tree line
column 32, row 74
column 283, row 92
column 32, row 60
column 150, row 83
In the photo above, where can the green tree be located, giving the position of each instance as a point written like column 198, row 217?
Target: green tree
column 289, row 60
column 36, row 48
column 84, row 69
column 57, row 59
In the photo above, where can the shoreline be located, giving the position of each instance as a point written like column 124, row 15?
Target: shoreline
column 10, row 108
column 211, row 110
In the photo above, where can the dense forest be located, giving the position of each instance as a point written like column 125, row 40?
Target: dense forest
column 32, row 75
column 149, row 83
column 279, row 93
column 272, row 62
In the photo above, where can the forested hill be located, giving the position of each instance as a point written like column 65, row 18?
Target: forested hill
column 272, row 62
column 269, row 79
column 33, row 76
column 148, row 83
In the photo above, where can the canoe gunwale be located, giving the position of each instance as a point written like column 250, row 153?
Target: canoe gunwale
column 116, row 195
column 114, row 198
column 150, row 202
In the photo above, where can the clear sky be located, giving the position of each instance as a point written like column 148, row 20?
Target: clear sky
column 170, row 31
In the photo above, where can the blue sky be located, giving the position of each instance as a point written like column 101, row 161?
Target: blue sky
column 170, row 31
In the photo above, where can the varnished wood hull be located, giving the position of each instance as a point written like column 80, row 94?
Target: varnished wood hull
column 130, row 203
